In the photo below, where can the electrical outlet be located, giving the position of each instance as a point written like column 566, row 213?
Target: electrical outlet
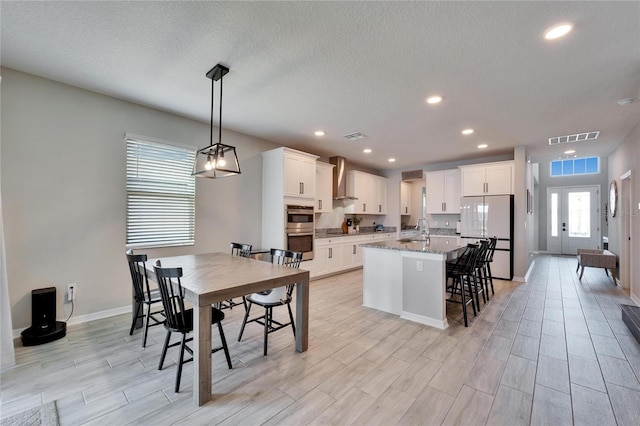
column 446, row 223
column 419, row 266
column 71, row 292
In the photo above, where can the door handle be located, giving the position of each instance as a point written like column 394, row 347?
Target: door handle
column 564, row 226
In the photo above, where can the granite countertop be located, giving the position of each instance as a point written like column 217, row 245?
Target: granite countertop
column 431, row 246
column 337, row 232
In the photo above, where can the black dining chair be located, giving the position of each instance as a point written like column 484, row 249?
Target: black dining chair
column 242, row 250
column 143, row 295
column 461, row 273
column 272, row 298
column 180, row 320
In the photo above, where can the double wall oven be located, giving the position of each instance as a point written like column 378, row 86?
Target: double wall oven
column 299, row 230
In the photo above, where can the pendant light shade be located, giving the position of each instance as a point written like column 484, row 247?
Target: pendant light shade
column 216, row 160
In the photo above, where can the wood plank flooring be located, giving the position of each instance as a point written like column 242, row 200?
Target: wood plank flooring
column 550, row 351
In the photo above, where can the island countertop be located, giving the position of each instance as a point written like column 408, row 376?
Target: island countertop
column 433, row 246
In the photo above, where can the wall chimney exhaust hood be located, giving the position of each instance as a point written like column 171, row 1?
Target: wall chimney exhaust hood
column 340, row 179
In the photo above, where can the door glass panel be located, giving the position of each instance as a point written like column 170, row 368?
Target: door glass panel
column 554, row 215
column 579, row 215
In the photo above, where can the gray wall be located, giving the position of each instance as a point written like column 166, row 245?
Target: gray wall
column 64, row 196
column 546, row 181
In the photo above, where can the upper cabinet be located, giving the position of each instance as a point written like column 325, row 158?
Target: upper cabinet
column 487, row 179
column 405, row 198
column 324, row 190
column 443, row 192
column 299, row 174
column 370, row 191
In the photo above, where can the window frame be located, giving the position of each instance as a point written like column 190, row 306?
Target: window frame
column 177, row 190
column 563, row 165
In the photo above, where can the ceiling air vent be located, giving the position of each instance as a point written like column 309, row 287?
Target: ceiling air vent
column 355, row 136
column 578, row 137
column 412, row 175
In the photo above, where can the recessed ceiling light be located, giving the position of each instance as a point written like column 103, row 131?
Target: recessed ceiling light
column 391, row 160
column 434, row 99
column 483, row 146
column 319, row 133
column 625, row 101
column 557, row 31
column 570, row 151
column 367, row 150
column 467, row 131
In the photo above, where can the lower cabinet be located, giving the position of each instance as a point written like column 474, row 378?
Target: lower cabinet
column 337, row 254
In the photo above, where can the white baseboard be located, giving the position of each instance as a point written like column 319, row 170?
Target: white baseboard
column 424, row 320
column 635, row 299
column 79, row 319
column 519, row 279
column 526, row 276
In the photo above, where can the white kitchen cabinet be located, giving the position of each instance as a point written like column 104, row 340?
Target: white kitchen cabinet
column 487, row 179
column 443, row 192
column 299, row 175
column 324, row 190
column 333, row 255
column 405, row 198
column 285, row 174
column 370, row 191
column 380, row 194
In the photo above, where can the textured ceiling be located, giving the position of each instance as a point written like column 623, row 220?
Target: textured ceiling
column 353, row 66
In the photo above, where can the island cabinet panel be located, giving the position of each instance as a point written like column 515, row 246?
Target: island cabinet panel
column 422, row 299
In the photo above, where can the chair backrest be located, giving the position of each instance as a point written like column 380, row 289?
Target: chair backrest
column 289, row 259
column 491, row 249
column 172, row 295
column 466, row 262
column 239, row 249
column 483, row 251
column 286, row 258
column 138, row 275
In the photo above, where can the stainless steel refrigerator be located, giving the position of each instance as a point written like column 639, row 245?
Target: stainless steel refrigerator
column 490, row 216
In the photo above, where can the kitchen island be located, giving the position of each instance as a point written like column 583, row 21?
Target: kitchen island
column 408, row 278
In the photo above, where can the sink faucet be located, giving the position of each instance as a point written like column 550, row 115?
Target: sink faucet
column 423, row 225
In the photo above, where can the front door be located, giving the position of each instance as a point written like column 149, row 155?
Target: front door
column 573, row 219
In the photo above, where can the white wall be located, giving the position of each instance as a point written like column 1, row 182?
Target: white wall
column 64, row 197
column 627, row 157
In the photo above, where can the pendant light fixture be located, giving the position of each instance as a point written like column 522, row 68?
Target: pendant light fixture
column 217, row 160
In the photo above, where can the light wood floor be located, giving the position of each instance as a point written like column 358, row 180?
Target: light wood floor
column 551, row 351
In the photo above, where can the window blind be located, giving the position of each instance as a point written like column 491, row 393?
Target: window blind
column 160, row 195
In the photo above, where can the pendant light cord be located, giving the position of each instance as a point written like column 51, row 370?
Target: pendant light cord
column 220, row 119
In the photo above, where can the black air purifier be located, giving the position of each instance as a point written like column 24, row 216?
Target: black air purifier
column 44, row 327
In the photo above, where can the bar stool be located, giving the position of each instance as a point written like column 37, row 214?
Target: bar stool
column 461, row 272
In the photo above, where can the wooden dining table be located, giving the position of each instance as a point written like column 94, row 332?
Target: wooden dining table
column 214, row 277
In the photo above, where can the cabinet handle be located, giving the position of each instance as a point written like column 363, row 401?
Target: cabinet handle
column 445, row 207
column 364, row 207
column 354, row 249
column 406, row 209
column 319, row 204
column 330, row 253
column 379, row 208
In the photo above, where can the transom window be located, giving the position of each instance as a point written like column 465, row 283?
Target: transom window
column 575, row 166
column 161, row 194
